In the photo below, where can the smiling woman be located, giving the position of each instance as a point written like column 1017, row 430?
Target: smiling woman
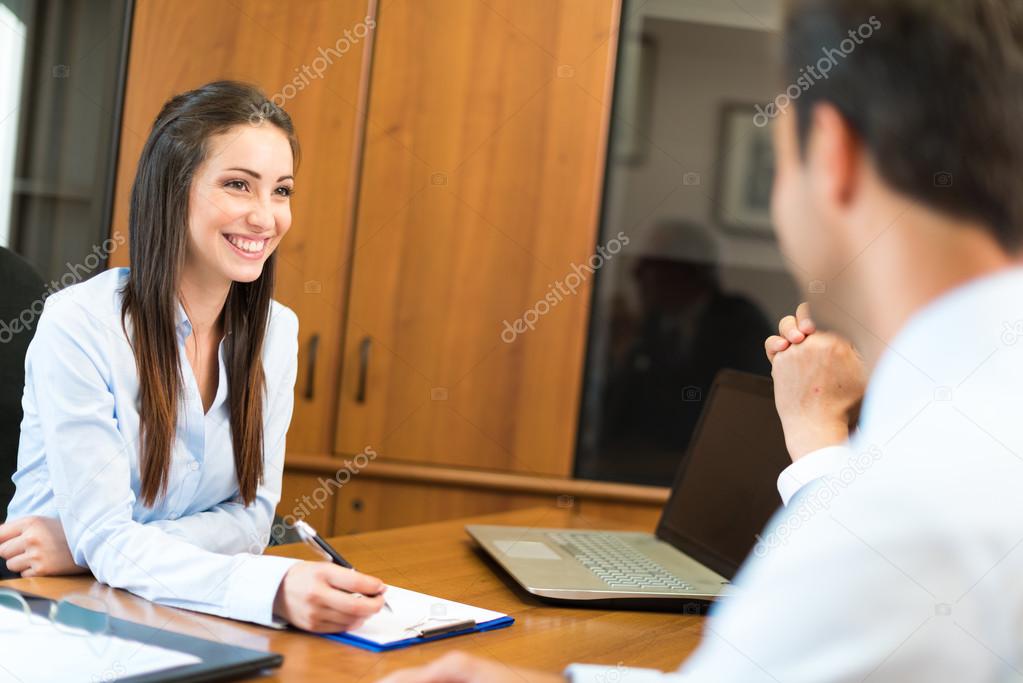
column 201, row 143
column 160, row 481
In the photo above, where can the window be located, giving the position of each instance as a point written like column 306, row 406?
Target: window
column 701, row 281
column 61, row 77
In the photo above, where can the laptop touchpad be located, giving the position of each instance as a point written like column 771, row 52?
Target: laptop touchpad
column 527, row 550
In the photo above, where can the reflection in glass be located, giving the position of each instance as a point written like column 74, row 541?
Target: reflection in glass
column 702, row 282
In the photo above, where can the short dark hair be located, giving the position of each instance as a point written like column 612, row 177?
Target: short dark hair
column 933, row 88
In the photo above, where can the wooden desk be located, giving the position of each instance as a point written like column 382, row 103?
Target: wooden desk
column 439, row 559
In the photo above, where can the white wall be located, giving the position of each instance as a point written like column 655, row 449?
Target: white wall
column 12, row 52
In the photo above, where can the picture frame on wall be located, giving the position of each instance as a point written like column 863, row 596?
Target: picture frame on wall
column 745, row 173
column 636, row 85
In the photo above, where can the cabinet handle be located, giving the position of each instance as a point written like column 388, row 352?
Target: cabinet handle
column 310, row 376
column 360, row 392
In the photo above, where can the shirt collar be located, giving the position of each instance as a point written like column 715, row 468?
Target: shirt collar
column 182, row 324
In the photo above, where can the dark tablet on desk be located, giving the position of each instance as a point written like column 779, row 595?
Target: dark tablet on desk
column 220, row 662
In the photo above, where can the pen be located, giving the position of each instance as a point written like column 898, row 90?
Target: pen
column 312, row 539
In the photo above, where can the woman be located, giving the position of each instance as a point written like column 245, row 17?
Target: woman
column 157, row 398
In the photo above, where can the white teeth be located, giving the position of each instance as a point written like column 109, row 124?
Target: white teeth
column 250, row 246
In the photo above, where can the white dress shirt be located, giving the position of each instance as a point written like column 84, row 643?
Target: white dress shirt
column 198, row 547
column 904, row 562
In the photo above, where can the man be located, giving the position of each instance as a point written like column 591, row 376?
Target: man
column 685, row 328
column 900, row 186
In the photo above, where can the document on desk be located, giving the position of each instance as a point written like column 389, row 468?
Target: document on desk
column 419, row 618
column 36, row 650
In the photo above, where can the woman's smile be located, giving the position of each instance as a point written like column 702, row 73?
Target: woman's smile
column 249, row 248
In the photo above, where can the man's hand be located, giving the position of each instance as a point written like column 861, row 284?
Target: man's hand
column 37, row 546
column 791, row 330
column 458, row 667
column 819, row 381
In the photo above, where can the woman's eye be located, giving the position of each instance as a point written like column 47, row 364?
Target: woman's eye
column 235, row 184
column 285, row 191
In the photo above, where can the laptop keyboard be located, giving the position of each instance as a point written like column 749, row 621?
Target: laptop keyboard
column 617, row 564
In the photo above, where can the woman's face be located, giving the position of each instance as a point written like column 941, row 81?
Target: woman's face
column 239, row 205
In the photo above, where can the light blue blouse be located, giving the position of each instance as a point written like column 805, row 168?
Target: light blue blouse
column 199, row 546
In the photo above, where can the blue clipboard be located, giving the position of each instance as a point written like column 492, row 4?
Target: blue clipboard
column 373, row 646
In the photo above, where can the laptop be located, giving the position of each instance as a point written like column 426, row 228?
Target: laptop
column 724, row 494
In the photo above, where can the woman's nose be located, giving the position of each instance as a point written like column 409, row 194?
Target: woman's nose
column 261, row 217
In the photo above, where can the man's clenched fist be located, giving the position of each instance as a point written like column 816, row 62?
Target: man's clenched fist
column 819, row 380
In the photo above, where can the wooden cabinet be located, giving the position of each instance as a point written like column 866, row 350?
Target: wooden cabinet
column 480, row 190
column 371, row 504
column 378, row 494
column 310, row 497
column 450, row 184
column 178, row 45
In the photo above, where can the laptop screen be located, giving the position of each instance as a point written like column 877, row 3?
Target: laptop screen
column 726, row 487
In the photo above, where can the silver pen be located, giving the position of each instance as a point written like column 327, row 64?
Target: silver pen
column 312, row 539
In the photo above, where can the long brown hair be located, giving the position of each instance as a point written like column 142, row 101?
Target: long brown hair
column 158, row 224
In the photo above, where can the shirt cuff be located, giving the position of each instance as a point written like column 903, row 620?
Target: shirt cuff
column 811, row 466
column 254, row 587
column 591, row 673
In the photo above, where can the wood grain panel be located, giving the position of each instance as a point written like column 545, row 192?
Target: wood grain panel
column 181, row 44
column 499, row 481
column 484, row 160
column 378, row 494
column 308, row 497
column 372, row 504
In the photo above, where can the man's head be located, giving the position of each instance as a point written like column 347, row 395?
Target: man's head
column 896, row 100
column 675, row 266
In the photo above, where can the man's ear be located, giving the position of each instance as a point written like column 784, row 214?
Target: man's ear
column 833, row 156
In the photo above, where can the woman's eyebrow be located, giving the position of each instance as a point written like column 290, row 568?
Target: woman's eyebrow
column 259, row 177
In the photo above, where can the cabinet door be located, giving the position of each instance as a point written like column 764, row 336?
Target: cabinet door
column 367, row 504
column 311, row 56
column 373, row 504
column 307, row 497
column 479, row 198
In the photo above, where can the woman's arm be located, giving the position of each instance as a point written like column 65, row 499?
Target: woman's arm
column 91, row 478
column 72, row 409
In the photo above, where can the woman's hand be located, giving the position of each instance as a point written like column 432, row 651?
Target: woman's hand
column 326, row 598
column 36, row 546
